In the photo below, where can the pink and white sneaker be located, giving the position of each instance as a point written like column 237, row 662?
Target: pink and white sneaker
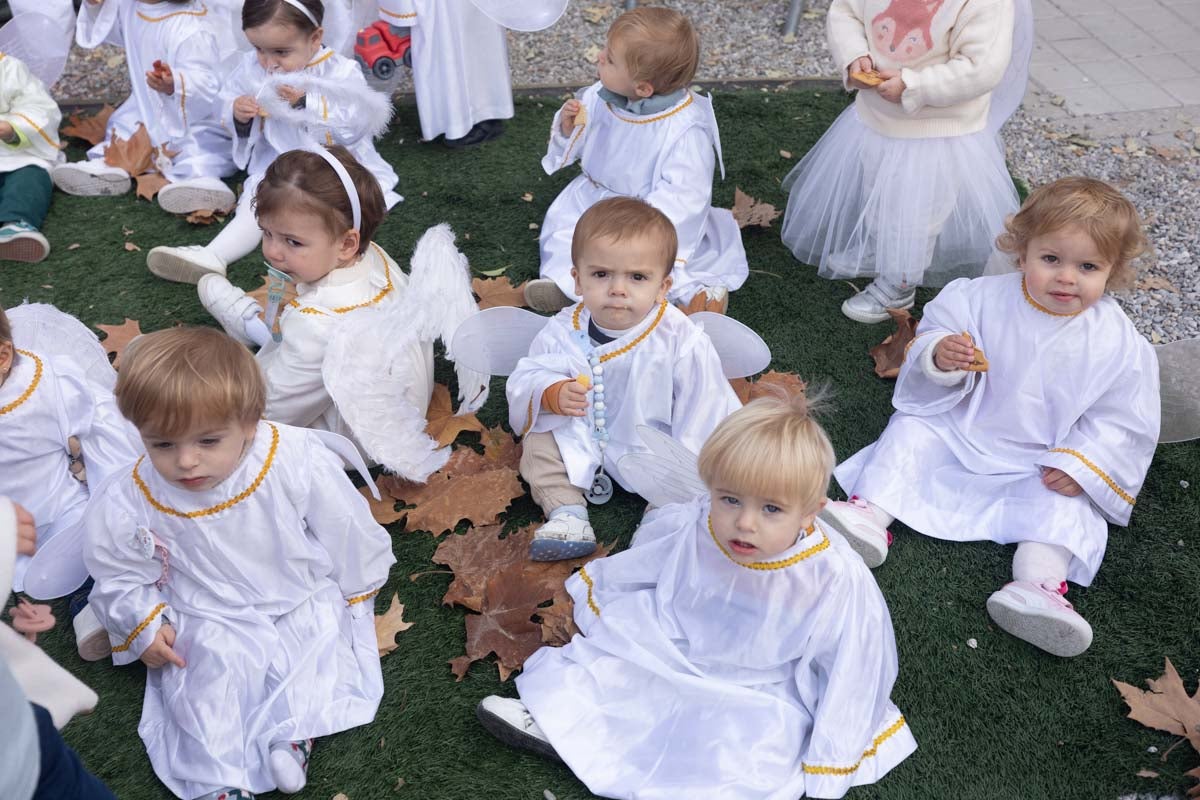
column 855, row 520
column 1039, row 614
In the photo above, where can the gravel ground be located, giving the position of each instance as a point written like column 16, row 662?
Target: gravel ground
column 742, row 40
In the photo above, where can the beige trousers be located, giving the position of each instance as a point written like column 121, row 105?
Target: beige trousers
column 543, row 469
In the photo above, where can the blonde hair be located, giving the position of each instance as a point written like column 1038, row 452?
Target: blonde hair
column 771, row 448
column 620, row 218
column 660, row 46
column 177, row 380
column 1102, row 212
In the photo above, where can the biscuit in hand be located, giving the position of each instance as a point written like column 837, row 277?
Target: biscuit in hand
column 979, row 363
column 870, row 78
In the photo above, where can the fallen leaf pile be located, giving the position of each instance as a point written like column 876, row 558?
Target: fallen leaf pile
column 90, row 129
column 116, row 337
column 889, row 354
column 389, row 625
column 769, row 384
column 497, row 292
column 442, row 424
column 494, row 577
column 207, row 216
column 749, row 211
column 1167, row 707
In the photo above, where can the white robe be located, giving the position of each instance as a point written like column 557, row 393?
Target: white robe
column 271, row 598
column 460, row 64
column 961, row 458
column 44, row 402
column 669, row 379
column 666, row 159
column 28, row 107
column 185, row 122
column 296, row 391
column 696, row 676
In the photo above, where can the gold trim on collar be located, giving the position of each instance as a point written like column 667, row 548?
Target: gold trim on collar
column 316, row 61
column 33, row 384
column 648, row 120
column 384, row 292
column 770, row 565
column 662, row 309
column 202, row 12
column 1029, row 299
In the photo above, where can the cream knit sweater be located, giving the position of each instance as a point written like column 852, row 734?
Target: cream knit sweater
column 951, row 54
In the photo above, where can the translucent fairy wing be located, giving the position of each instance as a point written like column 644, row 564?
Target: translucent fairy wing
column 664, row 474
column 522, row 15
column 346, row 450
column 742, row 351
column 495, row 339
column 40, row 36
column 1179, row 373
column 44, row 329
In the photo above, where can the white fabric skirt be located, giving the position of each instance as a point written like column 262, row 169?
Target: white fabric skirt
column 913, row 211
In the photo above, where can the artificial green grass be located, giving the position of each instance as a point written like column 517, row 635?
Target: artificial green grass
column 1003, row 720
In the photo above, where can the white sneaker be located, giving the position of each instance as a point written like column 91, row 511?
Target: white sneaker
column 562, row 538
column 855, row 521
column 195, row 194
column 1039, row 614
column 509, row 720
column 90, row 637
column 184, row 264
column 90, row 178
column 20, row 241
column 543, row 294
column 228, row 304
column 872, row 304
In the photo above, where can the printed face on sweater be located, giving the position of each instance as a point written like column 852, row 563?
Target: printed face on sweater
column 298, row 242
column 620, row 282
column 901, row 32
column 752, row 528
column 1064, row 270
column 201, row 458
column 282, row 48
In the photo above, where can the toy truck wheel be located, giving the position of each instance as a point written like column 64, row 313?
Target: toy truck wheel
column 384, row 68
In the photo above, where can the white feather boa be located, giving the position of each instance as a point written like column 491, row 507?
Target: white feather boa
column 372, row 106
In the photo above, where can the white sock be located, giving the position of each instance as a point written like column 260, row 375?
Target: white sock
column 289, row 765
column 238, row 238
column 579, row 512
column 1037, row 562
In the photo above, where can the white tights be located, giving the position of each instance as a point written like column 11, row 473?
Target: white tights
column 238, row 238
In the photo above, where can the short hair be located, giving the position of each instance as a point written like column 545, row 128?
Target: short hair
column 1102, row 212
column 176, row 380
column 256, row 13
column 301, row 180
column 772, row 448
column 660, row 46
column 620, row 218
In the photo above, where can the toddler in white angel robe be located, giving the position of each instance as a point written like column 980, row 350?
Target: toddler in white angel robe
column 55, row 386
column 354, row 354
column 290, row 92
column 740, row 649
column 1027, row 413
column 642, row 359
column 174, row 50
column 238, row 562
column 640, row 132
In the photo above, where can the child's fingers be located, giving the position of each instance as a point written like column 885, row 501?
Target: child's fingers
column 174, row 658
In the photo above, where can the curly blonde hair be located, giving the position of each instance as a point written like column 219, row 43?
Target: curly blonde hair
column 1096, row 208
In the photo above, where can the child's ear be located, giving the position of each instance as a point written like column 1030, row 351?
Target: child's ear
column 575, row 275
column 315, row 38
column 643, row 88
column 664, row 288
column 350, row 243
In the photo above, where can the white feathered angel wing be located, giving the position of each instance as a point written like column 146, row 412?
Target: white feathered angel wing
column 44, row 329
column 1179, row 372
column 741, row 350
column 666, row 474
column 495, row 339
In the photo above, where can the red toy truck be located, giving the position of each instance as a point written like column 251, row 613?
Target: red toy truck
column 378, row 49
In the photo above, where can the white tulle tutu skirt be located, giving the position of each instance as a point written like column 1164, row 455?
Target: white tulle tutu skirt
column 915, row 211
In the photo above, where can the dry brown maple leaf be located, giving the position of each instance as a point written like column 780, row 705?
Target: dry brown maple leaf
column 148, row 184
column 749, row 211
column 497, row 292
column 1166, row 706
column 135, row 155
column 500, row 447
column 772, row 383
column 558, row 621
column 90, row 129
column 389, row 624
column 116, row 337
column 470, row 487
column 441, row 423
column 1195, row 790
column 383, row 510
column 494, row 577
column 889, row 354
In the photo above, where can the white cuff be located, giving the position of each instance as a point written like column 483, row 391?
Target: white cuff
column 912, row 99
column 931, row 371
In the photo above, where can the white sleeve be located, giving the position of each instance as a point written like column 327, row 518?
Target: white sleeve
column 980, row 48
column 401, row 13
column 562, row 151
column 98, row 24
column 234, row 87
column 847, row 34
column 197, row 84
column 32, row 113
column 296, row 393
column 702, row 394
column 544, row 366
column 110, row 444
column 922, row 389
column 683, row 189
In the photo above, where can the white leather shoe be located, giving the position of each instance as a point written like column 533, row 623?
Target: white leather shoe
column 872, row 304
column 228, row 304
column 195, row 194
column 184, row 264
column 1039, row 614
column 509, row 720
column 90, row 637
column 543, row 294
column 90, row 178
column 562, row 538
column 864, row 534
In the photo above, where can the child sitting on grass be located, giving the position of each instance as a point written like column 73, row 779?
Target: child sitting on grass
column 641, row 358
column 238, row 562
column 740, row 647
column 1042, row 442
column 641, row 132
column 29, row 120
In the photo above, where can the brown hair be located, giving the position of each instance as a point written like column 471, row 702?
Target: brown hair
column 660, row 46
column 259, row 12
column 177, row 380
column 771, row 448
column 300, row 180
column 620, row 218
column 1098, row 209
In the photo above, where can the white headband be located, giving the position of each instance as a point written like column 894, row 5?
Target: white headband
column 296, row 4
column 340, row 169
